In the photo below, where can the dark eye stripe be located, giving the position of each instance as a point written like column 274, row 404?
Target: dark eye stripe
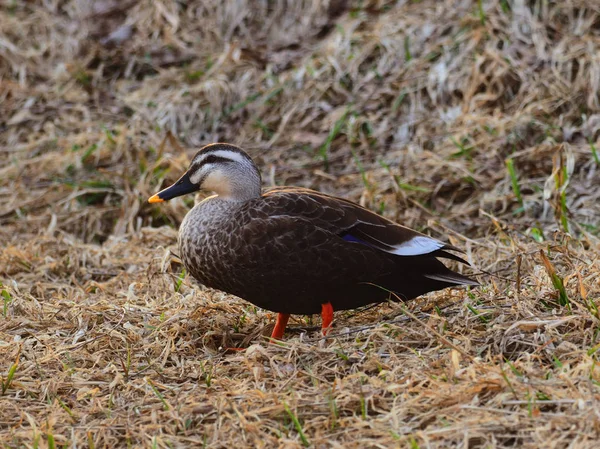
column 211, row 159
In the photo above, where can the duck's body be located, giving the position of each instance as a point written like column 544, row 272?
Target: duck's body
column 298, row 251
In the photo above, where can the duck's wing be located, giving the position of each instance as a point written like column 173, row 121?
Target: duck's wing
column 353, row 223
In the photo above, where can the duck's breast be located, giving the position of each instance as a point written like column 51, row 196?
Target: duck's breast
column 207, row 242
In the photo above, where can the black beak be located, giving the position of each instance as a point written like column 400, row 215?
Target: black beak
column 181, row 187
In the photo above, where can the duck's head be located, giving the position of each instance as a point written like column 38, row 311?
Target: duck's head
column 221, row 168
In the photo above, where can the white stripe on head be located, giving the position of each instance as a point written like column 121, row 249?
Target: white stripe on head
column 232, row 155
column 417, row 246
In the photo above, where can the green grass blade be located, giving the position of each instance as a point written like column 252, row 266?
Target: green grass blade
column 297, row 425
column 9, row 377
column 159, row 395
column 510, row 166
column 594, row 151
column 333, row 133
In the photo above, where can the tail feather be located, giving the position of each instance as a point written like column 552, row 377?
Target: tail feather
column 446, row 255
column 447, row 275
column 451, row 278
column 419, row 275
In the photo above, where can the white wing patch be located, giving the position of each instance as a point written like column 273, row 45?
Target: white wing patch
column 417, row 246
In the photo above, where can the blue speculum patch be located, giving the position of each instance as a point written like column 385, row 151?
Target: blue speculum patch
column 351, row 238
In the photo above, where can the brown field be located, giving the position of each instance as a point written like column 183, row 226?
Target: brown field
column 476, row 122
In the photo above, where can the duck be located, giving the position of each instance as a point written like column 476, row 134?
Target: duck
column 296, row 251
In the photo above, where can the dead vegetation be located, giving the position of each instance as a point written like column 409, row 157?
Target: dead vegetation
column 479, row 121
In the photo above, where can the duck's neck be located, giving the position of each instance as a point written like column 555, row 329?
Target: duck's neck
column 239, row 192
column 238, row 185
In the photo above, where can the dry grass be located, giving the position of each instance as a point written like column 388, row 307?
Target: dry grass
column 475, row 120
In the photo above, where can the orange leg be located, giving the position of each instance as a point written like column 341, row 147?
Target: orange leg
column 280, row 324
column 326, row 317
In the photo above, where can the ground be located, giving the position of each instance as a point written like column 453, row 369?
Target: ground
column 476, row 122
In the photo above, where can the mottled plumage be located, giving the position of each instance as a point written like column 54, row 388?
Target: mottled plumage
column 293, row 250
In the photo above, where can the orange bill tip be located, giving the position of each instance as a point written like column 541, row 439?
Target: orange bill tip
column 155, row 199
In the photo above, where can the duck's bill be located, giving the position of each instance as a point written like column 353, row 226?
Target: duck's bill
column 181, row 187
